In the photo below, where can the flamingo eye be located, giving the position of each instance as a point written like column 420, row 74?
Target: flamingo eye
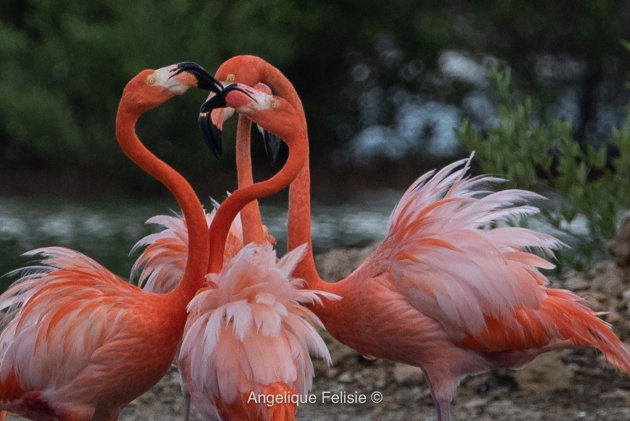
column 151, row 79
column 274, row 103
column 230, row 78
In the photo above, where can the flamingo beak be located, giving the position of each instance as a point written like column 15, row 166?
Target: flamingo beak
column 204, row 79
column 271, row 142
column 211, row 122
column 272, row 145
column 210, row 131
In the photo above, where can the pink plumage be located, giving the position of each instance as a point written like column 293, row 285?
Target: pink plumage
column 460, row 272
column 456, row 290
column 59, row 318
column 251, row 334
column 160, row 266
column 263, row 346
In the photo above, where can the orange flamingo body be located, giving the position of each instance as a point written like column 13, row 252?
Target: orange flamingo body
column 443, row 292
column 78, row 342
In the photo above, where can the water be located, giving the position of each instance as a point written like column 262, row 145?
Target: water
column 105, row 230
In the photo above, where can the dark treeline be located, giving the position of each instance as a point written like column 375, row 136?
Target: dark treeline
column 355, row 64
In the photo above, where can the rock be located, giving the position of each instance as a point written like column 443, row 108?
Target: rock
column 608, row 278
column 619, row 394
column 574, row 281
column 339, row 263
column 345, row 377
column 407, row 375
column 475, row 403
column 613, row 317
column 599, row 301
column 620, row 245
column 331, row 373
column 545, row 374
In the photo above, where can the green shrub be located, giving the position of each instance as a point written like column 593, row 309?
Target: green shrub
column 533, row 153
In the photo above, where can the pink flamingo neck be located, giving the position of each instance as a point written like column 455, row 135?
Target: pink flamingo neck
column 331, row 313
column 236, row 201
column 186, row 198
column 250, row 70
column 299, row 213
column 250, row 215
column 299, row 232
column 299, row 226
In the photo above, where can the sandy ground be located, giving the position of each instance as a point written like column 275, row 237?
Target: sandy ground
column 574, row 384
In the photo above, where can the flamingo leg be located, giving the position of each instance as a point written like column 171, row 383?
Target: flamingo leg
column 186, row 406
column 443, row 410
column 442, row 406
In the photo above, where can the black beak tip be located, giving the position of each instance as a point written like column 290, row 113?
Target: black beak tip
column 272, row 146
column 184, row 66
column 211, row 134
column 204, row 79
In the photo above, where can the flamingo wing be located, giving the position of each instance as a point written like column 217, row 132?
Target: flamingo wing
column 456, row 290
column 452, row 255
column 160, row 266
column 58, row 318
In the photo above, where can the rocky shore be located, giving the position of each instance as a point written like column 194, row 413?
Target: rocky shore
column 574, row 384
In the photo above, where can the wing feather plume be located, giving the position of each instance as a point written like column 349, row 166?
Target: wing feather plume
column 56, row 315
column 252, row 330
column 160, row 266
column 452, row 251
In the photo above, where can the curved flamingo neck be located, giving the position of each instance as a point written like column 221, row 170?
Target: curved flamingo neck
column 282, row 87
column 236, row 201
column 250, row 215
column 257, row 70
column 194, row 215
column 299, row 213
column 252, row 70
column 299, row 226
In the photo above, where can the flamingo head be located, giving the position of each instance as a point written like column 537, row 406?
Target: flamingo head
column 211, row 122
column 153, row 87
column 274, row 115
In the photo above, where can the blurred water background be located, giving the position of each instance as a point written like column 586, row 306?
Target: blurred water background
column 106, row 230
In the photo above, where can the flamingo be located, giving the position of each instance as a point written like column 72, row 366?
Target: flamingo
column 247, row 336
column 449, row 289
column 78, row 342
column 253, row 315
column 159, row 266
